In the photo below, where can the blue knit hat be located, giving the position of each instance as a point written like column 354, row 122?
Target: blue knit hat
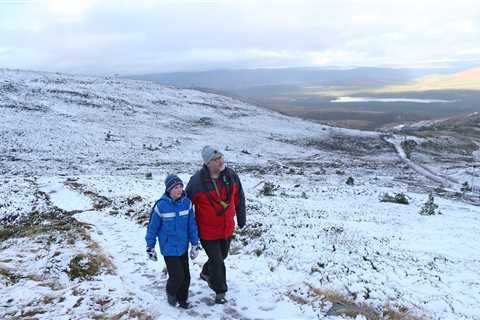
column 171, row 181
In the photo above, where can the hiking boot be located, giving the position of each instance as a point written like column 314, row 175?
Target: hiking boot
column 184, row 305
column 205, row 277
column 220, row 298
column 172, row 300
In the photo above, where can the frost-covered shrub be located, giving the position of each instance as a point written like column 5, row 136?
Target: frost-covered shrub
column 339, row 238
column 250, row 232
column 269, row 189
column 466, row 187
column 101, row 202
column 350, row 181
column 408, row 146
column 400, row 198
column 429, row 208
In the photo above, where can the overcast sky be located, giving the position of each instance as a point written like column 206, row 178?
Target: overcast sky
column 146, row 36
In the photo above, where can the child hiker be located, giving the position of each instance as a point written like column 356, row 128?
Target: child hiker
column 172, row 221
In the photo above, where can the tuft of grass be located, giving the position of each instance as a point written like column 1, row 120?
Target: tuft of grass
column 120, row 315
column 131, row 200
column 343, row 306
column 87, row 266
column 103, row 301
column 8, row 275
column 142, row 218
column 78, row 302
column 52, row 284
column 329, row 295
column 13, row 277
column 397, row 313
column 101, row 202
column 30, row 313
column 93, row 246
column 139, row 314
column 296, row 298
column 130, row 314
column 55, row 220
column 5, row 234
column 48, row 299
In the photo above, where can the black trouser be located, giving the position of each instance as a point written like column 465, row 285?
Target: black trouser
column 178, row 276
column 214, row 268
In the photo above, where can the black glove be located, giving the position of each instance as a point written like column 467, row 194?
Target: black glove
column 152, row 255
column 241, row 220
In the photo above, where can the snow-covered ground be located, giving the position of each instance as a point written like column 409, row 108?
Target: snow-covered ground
column 74, row 197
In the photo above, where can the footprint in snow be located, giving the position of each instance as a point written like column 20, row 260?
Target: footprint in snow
column 208, row 301
column 263, row 308
column 199, row 315
column 150, row 276
column 233, row 313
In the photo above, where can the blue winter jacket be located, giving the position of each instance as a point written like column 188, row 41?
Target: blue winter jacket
column 173, row 222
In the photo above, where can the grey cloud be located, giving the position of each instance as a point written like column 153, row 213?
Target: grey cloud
column 182, row 35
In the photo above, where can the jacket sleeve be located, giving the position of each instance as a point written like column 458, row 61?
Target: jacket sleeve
column 154, row 225
column 240, row 204
column 192, row 227
column 189, row 189
column 192, row 188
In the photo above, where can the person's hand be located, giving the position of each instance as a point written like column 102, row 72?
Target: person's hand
column 194, row 252
column 152, row 255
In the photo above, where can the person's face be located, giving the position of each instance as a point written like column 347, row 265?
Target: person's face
column 176, row 192
column 217, row 164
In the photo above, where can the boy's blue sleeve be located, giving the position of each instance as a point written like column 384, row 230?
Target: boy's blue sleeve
column 154, row 225
column 192, row 226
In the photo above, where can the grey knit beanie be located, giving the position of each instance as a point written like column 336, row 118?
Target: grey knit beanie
column 209, row 152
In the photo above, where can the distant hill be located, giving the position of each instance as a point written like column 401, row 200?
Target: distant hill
column 466, row 125
column 308, row 92
column 464, row 80
column 235, row 80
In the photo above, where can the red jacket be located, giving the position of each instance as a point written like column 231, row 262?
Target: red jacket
column 214, row 220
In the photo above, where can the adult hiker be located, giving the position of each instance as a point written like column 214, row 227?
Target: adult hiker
column 217, row 194
column 172, row 221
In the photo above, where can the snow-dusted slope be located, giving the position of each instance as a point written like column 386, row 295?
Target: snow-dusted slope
column 67, row 124
column 74, row 200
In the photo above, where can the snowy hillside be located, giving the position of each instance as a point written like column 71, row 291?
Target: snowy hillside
column 75, row 196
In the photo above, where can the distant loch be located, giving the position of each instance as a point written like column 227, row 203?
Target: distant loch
column 371, row 99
